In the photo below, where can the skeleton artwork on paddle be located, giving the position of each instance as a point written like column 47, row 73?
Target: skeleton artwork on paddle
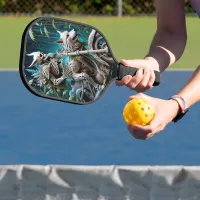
column 49, row 67
column 87, row 79
column 87, row 68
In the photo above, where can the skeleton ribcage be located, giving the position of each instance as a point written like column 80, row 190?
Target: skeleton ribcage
column 45, row 71
column 54, row 68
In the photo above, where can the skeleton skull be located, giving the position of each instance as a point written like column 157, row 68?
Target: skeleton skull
column 37, row 57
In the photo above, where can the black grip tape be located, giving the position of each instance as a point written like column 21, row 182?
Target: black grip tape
column 124, row 71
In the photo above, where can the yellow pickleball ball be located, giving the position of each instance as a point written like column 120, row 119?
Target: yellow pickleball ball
column 138, row 112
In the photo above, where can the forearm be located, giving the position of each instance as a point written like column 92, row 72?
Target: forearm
column 170, row 38
column 166, row 48
column 191, row 91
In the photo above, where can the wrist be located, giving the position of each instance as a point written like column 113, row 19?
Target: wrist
column 154, row 63
column 181, row 107
column 175, row 107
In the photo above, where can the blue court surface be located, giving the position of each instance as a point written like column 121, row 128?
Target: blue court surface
column 40, row 131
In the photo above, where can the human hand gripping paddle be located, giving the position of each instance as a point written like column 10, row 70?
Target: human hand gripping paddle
column 69, row 61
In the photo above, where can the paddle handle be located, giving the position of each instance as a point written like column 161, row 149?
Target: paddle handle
column 124, row 71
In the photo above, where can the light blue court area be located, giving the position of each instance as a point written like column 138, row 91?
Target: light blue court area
column 40, row 131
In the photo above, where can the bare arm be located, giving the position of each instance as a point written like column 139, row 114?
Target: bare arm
column 170, row 38
column 191, row 91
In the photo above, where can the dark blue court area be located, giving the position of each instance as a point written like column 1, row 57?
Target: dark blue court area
column 40, row 131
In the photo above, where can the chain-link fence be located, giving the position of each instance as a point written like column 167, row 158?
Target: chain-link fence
column 79, row 7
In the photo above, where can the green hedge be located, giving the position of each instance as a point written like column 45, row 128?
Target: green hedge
column 106, row 7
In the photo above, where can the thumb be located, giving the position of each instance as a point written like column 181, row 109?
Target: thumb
column 138, row 95
column 133, row 63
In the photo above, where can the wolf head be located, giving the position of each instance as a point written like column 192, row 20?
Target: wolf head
column 66, row 36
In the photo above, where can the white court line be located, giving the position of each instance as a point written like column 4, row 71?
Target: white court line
column 8, row 70
column 172, row 69
column 180, row 69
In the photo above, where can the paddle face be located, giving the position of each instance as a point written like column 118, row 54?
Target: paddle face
column 66, row 61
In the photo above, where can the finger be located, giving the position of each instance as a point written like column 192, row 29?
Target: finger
column 139, row 136
column 130, row 129
column 151, row 79
column 124, row 62
column 152, row 129
column 141, row 95
column 124, row 81
column 138, row 95
column 133, row 63
column 145, row 80
column 136, row 79
column 156, row 131
column 150, row 135
column 130, row 63
column 139, row 132
column 140, row 89
column 143, row 129
column 135, row 134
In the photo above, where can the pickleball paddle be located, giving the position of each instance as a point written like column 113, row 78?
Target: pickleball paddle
column 68, row 61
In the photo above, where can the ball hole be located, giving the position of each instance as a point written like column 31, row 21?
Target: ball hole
column 142, row 109
column 146, row 115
